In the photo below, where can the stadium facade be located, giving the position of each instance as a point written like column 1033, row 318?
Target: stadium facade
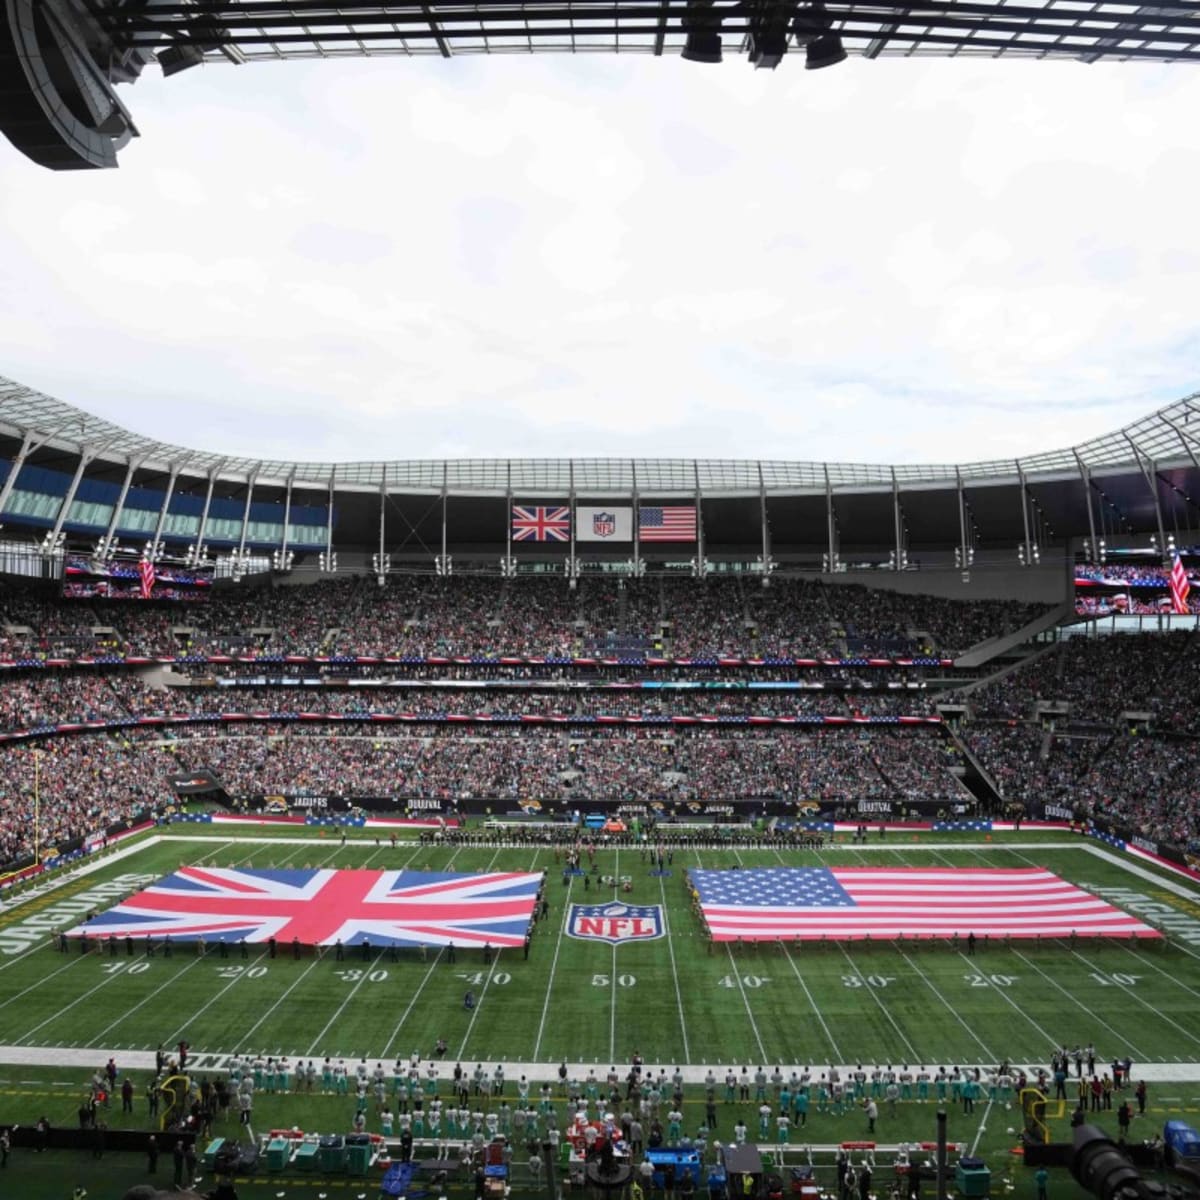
column 71, row 480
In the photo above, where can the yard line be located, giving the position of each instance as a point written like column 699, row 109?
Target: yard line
column 437, row 958
column 45, row 979
column 982, row 1126
column 491, row 970
column 1144, row 1003
column 537, row 1045
column 1053, row 1042
column 737, row 974
column 65, row 1008
column 341, row 1008
column 238, row 978
column 612, row 1002
column 837, row 1054
column 1155, row 967
column 948, row 1006
column 145, row 999
column 1075, row 1000
column 883, row 1008
column 687, row 1055
column 244, row 1039
column 945, row 1003
column 800, row 978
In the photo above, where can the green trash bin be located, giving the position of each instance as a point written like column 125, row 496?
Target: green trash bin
column 278, row 1152
column 331, row 1154
column 358, row 1158
column 307, row 1157
column 972, row 1178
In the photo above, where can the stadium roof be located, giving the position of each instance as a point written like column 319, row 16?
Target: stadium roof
column 247, row 30
column 1167, row 438
column 1141, row 480
column 61, row 62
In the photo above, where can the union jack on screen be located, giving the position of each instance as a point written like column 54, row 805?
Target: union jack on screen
column 541, row 523
column 1180, row 587
column 845, row 903
column 321, row 907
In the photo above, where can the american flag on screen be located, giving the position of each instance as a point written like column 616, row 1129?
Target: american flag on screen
column 146, row 573
column 675, row 523
column 541, row 523
column 321, row 907
column 1180, row 587
column 887, row 902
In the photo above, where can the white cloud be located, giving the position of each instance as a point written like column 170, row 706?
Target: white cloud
column 900, row 260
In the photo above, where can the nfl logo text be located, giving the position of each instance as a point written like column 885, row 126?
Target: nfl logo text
column 604, row 524
column 615, row 922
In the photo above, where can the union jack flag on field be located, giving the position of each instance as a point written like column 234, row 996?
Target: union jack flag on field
column 541, row 523
column 321, row 907
column 1180, row 587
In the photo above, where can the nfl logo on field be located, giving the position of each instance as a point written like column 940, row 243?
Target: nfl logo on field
column 615, row 922
column 604, row 524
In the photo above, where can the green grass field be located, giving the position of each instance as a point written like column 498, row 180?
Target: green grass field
column 675, row 1000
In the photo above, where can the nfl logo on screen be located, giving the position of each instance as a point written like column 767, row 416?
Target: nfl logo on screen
column 615, row 922
column 604, row 524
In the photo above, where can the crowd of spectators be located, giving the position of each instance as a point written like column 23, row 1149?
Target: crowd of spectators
column 483, row 615
column 552, row 765
column 56, row 789
column 1101, row 678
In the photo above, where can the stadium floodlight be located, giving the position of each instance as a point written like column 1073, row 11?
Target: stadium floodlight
column 282, row 560
column 327, row 562
column 152, row 551
column 52, row 545
column 702, row 26
column 106, row 547
column 813, row 29
column 204, row 35
column 767, row 40
column 508, row 566
column 443, row 564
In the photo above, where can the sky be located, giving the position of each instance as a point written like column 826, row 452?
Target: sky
column 891, row 261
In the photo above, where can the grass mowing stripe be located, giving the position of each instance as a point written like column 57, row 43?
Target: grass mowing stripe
column 1075, row 1000
column 687, row 1054
column 491, row 970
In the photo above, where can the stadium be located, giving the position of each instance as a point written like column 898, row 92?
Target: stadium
column 438, row 820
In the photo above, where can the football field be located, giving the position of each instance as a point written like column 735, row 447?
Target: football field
column 676, row 999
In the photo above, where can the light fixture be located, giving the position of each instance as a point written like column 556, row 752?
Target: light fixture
column 813, row 30
column 702, row 25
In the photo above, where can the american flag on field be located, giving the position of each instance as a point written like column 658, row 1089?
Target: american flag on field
column 1180, row 587
column 675, row 523
column 887, row 902
column 320, row 907
column 147, row 575
column 541, row 523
